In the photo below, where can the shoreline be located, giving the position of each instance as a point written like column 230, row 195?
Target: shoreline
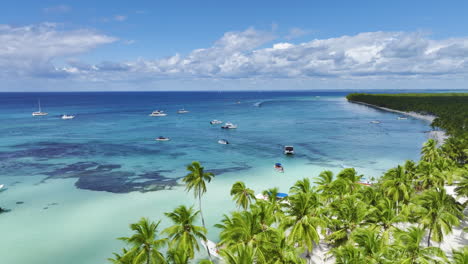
column 438, row 135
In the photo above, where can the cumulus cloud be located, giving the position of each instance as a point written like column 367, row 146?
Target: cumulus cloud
column 30, row 50
column 249, row 54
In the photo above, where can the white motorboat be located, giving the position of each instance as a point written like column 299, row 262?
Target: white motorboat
column 66, row 117
column 39, row 113
column 1, row 186
column 212, row 248
column 402, row 118
column 162, row 139
column 223, row 141
column 216, row 122
column 374, row 122
column 158, row 113
column 229, row 125
column 288, row 150
column 182, row 111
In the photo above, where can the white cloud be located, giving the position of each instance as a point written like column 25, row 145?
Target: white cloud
column 242, row 55
column 30, row 50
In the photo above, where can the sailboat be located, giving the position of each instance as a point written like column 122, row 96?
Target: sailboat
column 39, row 113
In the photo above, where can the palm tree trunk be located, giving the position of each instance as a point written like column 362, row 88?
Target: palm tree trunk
column 429, row 238
column 203, row 223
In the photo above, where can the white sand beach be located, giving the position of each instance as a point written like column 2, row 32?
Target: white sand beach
column 437, row 135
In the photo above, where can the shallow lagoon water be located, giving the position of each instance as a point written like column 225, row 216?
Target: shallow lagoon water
column 83, row 181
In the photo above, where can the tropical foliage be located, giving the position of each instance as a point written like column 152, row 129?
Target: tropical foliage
column 396, row 219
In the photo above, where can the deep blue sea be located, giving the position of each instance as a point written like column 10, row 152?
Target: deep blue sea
column 73, row 186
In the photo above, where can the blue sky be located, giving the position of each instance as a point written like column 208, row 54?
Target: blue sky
column 177, row 45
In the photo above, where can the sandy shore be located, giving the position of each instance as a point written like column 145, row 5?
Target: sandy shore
column 437, row 135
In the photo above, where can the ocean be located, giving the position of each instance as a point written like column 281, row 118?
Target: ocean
column 74, row 186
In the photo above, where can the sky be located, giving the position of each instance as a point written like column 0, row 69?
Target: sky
column 232, row 45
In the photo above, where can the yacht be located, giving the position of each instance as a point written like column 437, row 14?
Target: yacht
column 216, row 122
column 375, row 122
column 402, row 118
column 158, row 113
column 278, row 167
column 66, row 117
column 1, row 186
column 229, row 125
column 223, row 141
column 288, row 150
column 39, row 113
column 162, row 138
column 182, row 111
column 211, row 247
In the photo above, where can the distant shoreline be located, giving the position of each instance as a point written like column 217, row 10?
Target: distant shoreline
column 438, row 135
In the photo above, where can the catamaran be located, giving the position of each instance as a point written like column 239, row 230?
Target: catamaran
column 39, row 113
column 229, row 125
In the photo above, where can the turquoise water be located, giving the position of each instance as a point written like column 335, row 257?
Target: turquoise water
column 83, row 181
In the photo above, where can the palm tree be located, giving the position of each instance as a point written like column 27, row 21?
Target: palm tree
column 372, row 244
column 397, row 186
column 303, row 220
column 348, row 254
column 241, row 254
column 196, row 180
column 301, row 186
column 324, row 184
column 438, row 212
column 144, row 243
column 183, row 234
column 408, row 246
column 460, row 256
column 282, row 251
column 429, row 151
column 121, row 259
column 242, row 195
column 462, row 186
column 176, row 255
column 350, row 176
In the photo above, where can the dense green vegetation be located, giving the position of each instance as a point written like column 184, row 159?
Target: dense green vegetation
column 401, row 218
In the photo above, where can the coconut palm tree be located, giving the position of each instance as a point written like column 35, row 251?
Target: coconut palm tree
column 242, row 195
column 460, row 256
column 282, row 251
column 183, row 234
column 196, row 180
column 438, row 212
column 408, row 246
column 240, row 254
column 350, row 176
column 372, row 244
column 144, row 243
column 303, row 220
column 397, row 186
column 462, row 186
column 121, row 259
column 301, row 186
column 429, row 151
column 348, row 254
column 177, row 255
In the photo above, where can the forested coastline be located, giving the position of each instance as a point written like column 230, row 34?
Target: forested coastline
column 401, row 218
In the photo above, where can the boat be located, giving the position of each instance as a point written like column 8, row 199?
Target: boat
column 1, row 186
column 161, row 138
column 182, row 111
column 279, row 197
column 215, row 122
column 229, row 125
column 211, row 247
column 374, row 122
column 288, row 150
column 402, row 118
column 39, row 113
column 158, row 113
column 223, row 141
column 65, row 117
column 279, row 167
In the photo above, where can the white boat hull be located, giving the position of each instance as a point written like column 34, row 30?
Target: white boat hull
column 39, row 114
column 212, row 248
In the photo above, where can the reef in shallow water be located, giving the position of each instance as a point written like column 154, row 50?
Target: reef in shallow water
column 108, row 177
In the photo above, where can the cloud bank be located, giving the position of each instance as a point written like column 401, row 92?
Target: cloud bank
column 250, row 54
